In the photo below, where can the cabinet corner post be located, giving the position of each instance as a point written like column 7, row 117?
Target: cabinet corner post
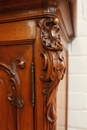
column 54, row 64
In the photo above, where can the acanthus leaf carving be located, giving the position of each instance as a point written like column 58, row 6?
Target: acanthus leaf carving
column 14, row 79
column 54, row 65
column 54, row 70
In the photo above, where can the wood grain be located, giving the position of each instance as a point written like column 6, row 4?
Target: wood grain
column 22, row 40
column 16, row 119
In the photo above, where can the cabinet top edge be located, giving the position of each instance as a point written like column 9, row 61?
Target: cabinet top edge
column 38, row 9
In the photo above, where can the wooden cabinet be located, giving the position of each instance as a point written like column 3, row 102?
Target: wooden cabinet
column 33, row 36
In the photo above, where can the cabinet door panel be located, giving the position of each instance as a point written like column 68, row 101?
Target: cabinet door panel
column 7, row 114
column 15, row 84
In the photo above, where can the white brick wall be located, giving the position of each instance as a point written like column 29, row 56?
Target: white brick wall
column 77, row 108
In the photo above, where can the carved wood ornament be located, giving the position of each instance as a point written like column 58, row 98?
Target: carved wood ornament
column 54, row 64
column 14, row 79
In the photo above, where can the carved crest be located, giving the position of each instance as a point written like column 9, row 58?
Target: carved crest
column 50, row 35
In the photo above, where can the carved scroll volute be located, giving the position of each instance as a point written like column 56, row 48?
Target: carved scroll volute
column 54, row 64
column 50, row 35
column 14, row 79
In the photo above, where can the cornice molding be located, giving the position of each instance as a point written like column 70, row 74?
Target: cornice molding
column 50, row 8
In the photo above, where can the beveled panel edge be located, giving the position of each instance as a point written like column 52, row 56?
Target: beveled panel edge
column 17, row 42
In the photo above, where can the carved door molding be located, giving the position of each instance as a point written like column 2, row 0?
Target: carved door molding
column 14, row 79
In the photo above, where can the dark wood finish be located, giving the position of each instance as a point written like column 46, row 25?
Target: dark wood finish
column 33, row 35
column 19, row 4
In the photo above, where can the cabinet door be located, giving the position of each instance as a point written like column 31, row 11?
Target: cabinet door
column 15, row 87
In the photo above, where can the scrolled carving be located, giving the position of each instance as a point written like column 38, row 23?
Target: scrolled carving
column 54, row 65
column 14, row 79
column 54, row 69
column 18, row 102
column 21, row 63
column 50, row 35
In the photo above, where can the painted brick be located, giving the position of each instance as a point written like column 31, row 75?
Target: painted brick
column 77, row 119
column 81, row 18
column 84, row 4
column 79, row 46
column 77, row 65
column 77, row 101
column 81, row 27
column 77, row 113
column 78, row 83
column 69, row 128
column 79, row 9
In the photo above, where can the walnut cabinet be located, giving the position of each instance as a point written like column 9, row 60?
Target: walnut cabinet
column 33, row 60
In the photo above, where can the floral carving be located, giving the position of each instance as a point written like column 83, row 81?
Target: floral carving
column 54, row 65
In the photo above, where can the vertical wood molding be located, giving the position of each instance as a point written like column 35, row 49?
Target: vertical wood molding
column 54, row 65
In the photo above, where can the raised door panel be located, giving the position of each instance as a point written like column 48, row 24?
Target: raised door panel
column 15, row 87
column 7, row 111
